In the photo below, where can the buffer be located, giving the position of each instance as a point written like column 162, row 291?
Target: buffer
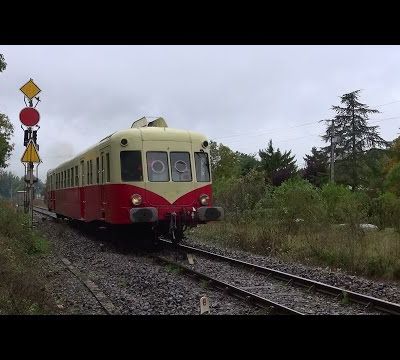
column 31, row 154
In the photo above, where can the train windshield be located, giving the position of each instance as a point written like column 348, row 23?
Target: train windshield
column 202, row 167
column 157, row 166
column 180, row 166
column 131, row 166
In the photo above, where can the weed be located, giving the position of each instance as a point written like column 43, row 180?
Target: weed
column 21, row 286
column 173, row 269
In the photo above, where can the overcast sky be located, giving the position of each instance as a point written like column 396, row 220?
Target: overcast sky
column 241, row 96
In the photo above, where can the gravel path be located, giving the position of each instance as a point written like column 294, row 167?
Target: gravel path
column 387, row 290
column 132, row 281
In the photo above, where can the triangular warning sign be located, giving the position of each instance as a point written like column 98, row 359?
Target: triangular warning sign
column 31, row 154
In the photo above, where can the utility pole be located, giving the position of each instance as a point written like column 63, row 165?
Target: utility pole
column 332, row 152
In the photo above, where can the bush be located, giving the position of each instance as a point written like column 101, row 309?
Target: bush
column 21, row 288
column 293, row 221
column 392, row 182
column 15, row 226
column 345, row 206
column 298, row 204
column 385, row 211
column 242, row 194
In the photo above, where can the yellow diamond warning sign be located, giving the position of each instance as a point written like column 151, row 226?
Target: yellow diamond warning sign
column 30, row 89
column 31, row 154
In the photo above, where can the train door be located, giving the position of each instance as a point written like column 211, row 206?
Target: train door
column 82, row 189
column 104, row 178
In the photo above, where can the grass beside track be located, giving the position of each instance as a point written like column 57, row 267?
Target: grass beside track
column 375, row 254
column 22, row 289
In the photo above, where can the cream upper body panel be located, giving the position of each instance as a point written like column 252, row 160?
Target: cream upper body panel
column 144, row 139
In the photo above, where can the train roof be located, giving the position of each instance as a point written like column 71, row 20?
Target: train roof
column 144, row 134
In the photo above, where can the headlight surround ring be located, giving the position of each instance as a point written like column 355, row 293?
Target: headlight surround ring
column 204, row 199
column 136, row 199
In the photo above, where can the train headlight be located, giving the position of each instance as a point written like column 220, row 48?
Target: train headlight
column 136, row 199
column 204, row 199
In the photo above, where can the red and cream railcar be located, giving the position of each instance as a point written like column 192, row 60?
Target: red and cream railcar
column 143, row 175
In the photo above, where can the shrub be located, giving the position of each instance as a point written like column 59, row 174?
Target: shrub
column 21, row 287
column 242, row 194
column 392, row 182
column 298, row 204
column 385, row 211
column 345, row 206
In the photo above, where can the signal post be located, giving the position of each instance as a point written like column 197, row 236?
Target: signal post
column 30, row 117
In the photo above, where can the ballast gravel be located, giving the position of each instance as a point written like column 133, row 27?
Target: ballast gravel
column 386, row 290
column 294, row 297
column 131, row 280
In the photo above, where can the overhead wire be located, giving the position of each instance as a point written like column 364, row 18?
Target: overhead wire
column 261, row 133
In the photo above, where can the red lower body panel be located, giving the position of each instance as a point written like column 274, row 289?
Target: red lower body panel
column 112, row 202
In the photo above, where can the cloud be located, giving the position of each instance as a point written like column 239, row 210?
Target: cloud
column 239, row 95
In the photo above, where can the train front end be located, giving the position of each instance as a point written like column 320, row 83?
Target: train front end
column 174, row 189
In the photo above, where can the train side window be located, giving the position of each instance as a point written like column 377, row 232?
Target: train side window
column 72, row 177
column 157, row 166
column 180, row 166
column 202, row 167
column 65, row 179
column 91, row 171
column 69, row 178
column 102, row 168
column 76, row 176
column 87, row 173
column 82, row 173
column 107, row 167
column 97, row 170
column 131, row 166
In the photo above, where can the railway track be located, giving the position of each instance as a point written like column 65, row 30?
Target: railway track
column 257, row 300
column 294, row 280
column 43, row 211
column 107, row 306
column 229, row 289
column 232, row 290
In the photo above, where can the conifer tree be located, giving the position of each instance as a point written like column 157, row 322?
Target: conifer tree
column 316, row 167
column 352, row 134
column 277, row 166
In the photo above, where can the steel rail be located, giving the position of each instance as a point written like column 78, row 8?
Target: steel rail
column 233, row 290
column 368, row 301
column 43, row 211
column 227, row 288
column 101, row 298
